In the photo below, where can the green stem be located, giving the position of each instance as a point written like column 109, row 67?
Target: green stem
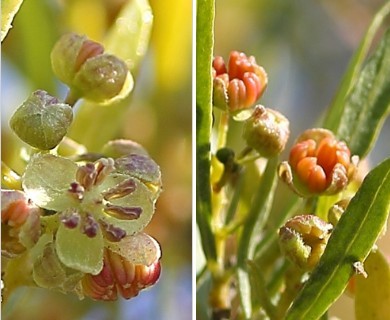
column 204, row 53
column 9, row 178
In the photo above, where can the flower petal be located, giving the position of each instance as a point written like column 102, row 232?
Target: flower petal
column 141, row 199
column 77, row 251
column 47, row 179
column 138, row 249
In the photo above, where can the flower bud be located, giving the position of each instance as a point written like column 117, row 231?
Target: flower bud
column 318, row 164
column 20, row 223
column 120, row 275
column 303, row 240
column 239, row 85
column 122, row 147
column 42, row 121
column 335, row 212
column 88, row 71
column 266, row 131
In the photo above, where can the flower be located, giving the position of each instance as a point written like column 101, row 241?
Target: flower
column 92, row 204
column 318, row 164
column 239, row 85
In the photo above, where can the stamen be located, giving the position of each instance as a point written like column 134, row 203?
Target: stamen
column 90, row 226
column 76, row 191
column 112, row 233
column 70, row 218
column 123, row 213
column 120, row 190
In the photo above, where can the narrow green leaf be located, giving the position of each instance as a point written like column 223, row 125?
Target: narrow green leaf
column 372, row 298
column 204, row 55
column 256, row 217
column 368, row 103
column 334, row 116
column 350, row 242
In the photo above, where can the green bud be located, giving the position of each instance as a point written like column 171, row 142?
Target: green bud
column 88, row 71
column 123, row 147
column 42, row 121
column 303, row 240
column 101, row 78
column 336, row 211
column 266, row 131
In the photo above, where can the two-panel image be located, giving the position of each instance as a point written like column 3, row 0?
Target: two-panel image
column 181, row 160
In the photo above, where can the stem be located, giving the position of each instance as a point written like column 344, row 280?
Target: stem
column 9, row 178
column 204, row 53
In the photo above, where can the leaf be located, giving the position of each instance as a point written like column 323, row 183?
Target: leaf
column 334, row 116
column 77, row 251
column 9, row 8
column 368, row 103
column 372, row 298
column 350, row 242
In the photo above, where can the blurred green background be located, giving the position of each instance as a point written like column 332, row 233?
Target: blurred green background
column 158, row 116
column 305, row 47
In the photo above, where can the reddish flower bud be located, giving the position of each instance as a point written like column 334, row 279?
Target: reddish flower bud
column 120, row 275
column 20, row 224
column 238, row 86
column 318, row 163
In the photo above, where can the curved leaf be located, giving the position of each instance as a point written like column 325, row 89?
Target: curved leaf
column 334, row 114
column 372, row 299
column 350, row 242
column 368, row 103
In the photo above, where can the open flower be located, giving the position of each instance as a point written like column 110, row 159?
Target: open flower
column 89, row 205
column 318, row 164
column 239, row 85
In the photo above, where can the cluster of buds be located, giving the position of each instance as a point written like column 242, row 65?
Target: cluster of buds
column 88, row 71
column 318, row 164
column 303, row 240
column 238, row 85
